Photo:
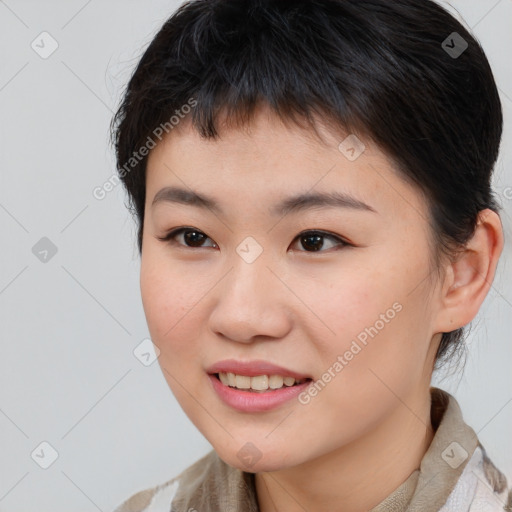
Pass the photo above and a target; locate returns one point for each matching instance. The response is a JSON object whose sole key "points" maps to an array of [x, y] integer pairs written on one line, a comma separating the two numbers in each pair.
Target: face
{"points": [[324, 309]]}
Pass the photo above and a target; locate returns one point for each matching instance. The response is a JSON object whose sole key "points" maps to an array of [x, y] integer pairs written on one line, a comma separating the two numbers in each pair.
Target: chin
{"points": [[251, 459]]}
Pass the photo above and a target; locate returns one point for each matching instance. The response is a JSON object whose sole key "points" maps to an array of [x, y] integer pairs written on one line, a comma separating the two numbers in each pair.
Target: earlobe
{"points": [[469, 278]]}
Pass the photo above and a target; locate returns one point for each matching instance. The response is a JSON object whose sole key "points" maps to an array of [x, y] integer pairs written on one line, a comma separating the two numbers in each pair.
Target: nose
{"points": [[251, 303]]}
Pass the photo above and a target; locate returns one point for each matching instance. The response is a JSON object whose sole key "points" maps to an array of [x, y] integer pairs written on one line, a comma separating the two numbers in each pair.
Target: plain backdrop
{"points": [[70, 309]]}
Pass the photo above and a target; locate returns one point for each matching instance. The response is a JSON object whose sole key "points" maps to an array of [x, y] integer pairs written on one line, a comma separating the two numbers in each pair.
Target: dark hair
{"points": [[393, 72]]}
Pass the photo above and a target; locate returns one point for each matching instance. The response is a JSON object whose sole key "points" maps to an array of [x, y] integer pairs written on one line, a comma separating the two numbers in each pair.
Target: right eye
{"points": [[191, 236]]}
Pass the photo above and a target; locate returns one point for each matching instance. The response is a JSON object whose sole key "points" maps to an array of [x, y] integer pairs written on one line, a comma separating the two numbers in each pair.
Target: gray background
{"points": [[69, 325]]}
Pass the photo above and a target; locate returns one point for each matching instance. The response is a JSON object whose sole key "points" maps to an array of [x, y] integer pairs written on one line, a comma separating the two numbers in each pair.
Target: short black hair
{"points": [[403, 73]]}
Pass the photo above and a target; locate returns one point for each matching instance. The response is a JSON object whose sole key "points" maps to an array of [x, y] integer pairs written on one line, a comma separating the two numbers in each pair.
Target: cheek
{"points": [[368, 335], [168, 299], [372, 318], [350, 305]]}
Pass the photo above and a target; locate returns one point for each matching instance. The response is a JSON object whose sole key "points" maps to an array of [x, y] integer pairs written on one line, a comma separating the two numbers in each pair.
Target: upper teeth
{"points": [[258, 383]]}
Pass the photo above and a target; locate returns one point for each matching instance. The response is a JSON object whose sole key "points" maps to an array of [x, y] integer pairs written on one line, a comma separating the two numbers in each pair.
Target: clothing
{"points": [[455, 475]]}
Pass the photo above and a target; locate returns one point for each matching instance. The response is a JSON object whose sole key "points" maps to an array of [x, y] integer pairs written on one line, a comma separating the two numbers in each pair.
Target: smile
{"points": [[249, 400], [259, 383]]}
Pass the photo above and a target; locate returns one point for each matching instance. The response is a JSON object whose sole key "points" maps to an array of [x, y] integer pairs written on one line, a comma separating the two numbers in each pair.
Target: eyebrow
{"points": [[300, 202]]}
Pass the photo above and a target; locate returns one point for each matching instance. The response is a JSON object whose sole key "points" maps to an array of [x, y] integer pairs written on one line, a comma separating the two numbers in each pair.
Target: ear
{"points": [[469, 278]]}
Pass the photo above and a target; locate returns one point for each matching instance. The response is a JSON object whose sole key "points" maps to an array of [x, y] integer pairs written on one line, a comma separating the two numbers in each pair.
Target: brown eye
{"points": [[191, 237], [313, 241]]}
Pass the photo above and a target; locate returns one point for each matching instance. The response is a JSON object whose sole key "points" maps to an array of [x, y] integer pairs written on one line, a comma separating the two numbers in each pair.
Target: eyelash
{"points": [[169, 237]]}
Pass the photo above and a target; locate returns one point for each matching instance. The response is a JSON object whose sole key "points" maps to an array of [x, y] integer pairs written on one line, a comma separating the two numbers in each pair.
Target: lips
{"points": [[254, 369], [255, 386]]}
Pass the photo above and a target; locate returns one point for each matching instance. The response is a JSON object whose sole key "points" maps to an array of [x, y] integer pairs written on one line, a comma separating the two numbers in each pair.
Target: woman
{"points": [[311, 182]]}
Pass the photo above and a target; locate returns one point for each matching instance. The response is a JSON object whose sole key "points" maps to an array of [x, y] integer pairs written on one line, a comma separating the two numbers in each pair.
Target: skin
{"points": [[367, 430]]}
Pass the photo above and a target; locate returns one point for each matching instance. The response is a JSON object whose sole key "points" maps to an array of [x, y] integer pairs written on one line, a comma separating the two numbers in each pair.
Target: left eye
{"points": [[193, 238], [314, 240]]}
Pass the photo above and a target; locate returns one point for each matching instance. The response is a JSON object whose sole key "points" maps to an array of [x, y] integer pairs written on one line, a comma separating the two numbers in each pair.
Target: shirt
{"points": [[455, 475]]}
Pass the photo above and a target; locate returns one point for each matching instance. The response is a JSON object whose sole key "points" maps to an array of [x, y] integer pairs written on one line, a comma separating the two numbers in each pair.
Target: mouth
{"points": [[258, 383], [255, 387]]}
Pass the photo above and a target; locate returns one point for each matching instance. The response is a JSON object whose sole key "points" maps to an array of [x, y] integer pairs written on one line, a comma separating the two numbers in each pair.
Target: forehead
{"points": [[264, 160], [266, 137]]}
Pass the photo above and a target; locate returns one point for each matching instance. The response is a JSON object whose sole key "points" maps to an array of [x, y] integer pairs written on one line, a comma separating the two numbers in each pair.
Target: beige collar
{"points": [[454, 442]]}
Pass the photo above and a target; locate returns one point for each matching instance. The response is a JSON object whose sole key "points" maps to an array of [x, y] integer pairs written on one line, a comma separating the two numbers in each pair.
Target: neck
{"points": [[357, 476]]}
